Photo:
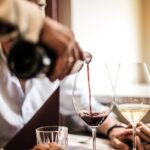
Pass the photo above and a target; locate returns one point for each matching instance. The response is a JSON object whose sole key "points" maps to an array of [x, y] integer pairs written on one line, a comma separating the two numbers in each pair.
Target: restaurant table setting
{"points": [[57, 137], [135, 102]]}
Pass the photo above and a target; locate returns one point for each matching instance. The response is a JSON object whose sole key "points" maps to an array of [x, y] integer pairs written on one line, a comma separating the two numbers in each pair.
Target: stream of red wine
{"points": [[92, 118], [89, 86]]}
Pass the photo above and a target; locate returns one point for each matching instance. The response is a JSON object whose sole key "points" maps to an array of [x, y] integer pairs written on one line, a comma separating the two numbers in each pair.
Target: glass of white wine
{"points": [[132, 93]]}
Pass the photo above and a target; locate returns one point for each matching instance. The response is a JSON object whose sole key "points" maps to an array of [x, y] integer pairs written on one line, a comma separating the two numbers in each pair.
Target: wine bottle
{"points": [[27, 60], [7, 30]]}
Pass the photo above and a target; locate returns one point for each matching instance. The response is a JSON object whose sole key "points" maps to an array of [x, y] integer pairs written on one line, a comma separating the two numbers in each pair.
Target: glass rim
{"points": [[40, 129]]}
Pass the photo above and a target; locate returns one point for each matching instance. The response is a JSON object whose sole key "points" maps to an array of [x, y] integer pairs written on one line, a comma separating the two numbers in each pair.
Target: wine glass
{"points": [[93, 96], [132, 93], [55, 137]]}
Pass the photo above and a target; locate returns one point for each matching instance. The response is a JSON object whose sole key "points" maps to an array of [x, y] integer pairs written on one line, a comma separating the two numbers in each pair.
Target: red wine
{"points": [[94, 119], [89, 87]]}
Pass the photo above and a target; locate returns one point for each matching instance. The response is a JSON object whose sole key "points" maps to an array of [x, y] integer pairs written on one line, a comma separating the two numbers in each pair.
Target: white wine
{"points": [[133, 112]]}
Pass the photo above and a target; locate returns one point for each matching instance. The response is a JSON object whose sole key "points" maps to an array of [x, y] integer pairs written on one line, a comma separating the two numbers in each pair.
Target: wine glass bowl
{"points": [[133, 109], [132, 93], [92, 88]]}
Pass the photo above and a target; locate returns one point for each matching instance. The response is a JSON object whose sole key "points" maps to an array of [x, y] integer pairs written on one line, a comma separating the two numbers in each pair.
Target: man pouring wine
{"points": [[17, 96]]}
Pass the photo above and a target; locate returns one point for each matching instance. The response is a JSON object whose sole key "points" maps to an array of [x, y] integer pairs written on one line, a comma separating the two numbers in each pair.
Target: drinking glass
{"points": [[56, 137], [132, 93], [93, 96]]}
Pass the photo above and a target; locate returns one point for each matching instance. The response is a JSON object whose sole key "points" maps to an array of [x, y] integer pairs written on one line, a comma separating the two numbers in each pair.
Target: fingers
{"points": [[118, 138], [79, 52], [129, 126], [144, 132], [55, 35], [63, 44], [64, 62], [144, 137], [123, 140], [139, 143], [129, 141], [67, 63], [59, 65], [147, 147], [148, 124], [40, 147], [126, 134], [116, 143], [75, 54], [145, 129]]}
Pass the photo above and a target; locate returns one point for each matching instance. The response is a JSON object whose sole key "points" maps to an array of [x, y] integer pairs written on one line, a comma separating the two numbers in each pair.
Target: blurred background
{"points": [[113, 31]]}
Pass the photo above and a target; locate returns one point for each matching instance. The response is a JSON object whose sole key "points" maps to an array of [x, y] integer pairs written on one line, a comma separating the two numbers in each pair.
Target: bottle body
{"points": [[7, 30], [27, 60]]}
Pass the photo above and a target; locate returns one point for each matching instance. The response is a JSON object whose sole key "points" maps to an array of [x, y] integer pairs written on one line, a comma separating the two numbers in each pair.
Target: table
{"points": [[75, 142]]}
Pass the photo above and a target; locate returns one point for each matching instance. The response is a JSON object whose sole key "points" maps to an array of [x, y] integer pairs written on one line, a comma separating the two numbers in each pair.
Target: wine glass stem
{"points": [[94, 137], [134, 136]]}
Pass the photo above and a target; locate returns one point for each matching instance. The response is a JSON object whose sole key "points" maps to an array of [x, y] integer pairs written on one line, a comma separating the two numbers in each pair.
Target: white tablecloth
{"points": [[75, 142]]}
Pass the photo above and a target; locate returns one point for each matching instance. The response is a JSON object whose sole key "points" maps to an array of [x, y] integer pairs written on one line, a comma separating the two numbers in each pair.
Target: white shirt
{"points": [[16, 106]]}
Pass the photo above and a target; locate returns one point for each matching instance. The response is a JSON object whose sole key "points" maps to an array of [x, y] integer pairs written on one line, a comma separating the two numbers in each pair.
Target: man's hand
{"points": [[144, 132], [41, 147], [50, 146], [120, 137], [67, 50]]}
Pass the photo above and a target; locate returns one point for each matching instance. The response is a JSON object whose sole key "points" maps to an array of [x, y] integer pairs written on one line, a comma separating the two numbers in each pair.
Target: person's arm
{"points": [[119, 134], [109, 124], [33, 27]]}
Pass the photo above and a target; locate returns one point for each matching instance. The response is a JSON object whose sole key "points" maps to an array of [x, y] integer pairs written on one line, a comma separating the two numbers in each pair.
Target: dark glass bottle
{"points": [[27, 60], [7, 30]]}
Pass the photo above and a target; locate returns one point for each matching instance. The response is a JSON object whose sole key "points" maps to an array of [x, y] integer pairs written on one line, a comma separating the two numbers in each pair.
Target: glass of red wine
{"points": [[93, 95]]}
